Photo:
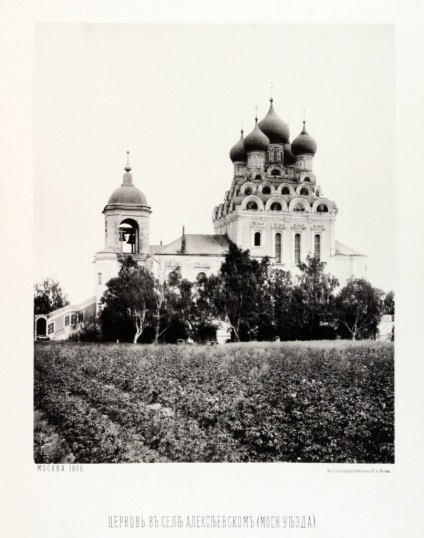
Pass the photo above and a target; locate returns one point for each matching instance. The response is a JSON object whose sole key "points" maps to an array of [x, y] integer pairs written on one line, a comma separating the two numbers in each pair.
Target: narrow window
{"points": [[285, 190], [275, 206], [297, 248], [73, 319], [99, 278], [257, 239], [317, 244], [275, 155], [248, 191], [51, 328], [304, 192], [266, 190], [80, 317], [278, 247], [66, 320]]}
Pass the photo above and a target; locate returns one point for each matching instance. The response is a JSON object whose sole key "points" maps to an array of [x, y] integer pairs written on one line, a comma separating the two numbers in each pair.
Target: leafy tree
{"points": [[238, 296], [313, 299], [359, 309], [128, 302], [165, 301], [389, 303], [48, 296], [198, 305], [283, 304]]}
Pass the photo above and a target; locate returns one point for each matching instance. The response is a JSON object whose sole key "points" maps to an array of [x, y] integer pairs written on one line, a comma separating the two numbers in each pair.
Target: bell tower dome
{"points": [[127, 218]]}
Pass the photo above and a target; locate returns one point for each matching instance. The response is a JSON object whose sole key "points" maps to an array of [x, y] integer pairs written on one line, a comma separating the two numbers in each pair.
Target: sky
{"points": [[176, 96]]}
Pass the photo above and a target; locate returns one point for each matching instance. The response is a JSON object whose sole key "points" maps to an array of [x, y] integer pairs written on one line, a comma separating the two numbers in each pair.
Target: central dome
{"points": [[256, 140], [274, 127]]}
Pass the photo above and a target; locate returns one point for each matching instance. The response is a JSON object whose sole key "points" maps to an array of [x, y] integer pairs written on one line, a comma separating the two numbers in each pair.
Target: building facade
{"points": [[274, 207]]}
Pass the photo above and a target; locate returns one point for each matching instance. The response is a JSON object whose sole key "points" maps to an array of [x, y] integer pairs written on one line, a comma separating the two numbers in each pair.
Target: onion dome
{"points": [[304, 144], [256, 140], [289, 158], [237, 152], [127, 193], [274, 127]]}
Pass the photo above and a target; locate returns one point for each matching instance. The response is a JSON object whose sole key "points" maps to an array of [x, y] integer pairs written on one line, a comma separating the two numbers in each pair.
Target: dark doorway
{"points": [[41, 327]]}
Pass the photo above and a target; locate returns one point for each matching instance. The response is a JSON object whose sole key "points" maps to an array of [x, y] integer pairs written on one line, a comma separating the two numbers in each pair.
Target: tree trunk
{"points": [[157, 328], [139, 324]]}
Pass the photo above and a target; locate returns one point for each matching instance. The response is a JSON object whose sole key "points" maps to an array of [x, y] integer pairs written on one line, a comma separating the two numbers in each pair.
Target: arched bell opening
{"points": [[41, 327], [128, 236]]}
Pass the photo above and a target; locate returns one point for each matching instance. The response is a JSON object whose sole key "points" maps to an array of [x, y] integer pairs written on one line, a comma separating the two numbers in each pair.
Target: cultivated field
{"points": [[262, 402]]}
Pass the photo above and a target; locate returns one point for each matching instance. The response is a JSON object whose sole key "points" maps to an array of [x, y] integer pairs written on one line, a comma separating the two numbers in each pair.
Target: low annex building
{"points": [[274, 207]]}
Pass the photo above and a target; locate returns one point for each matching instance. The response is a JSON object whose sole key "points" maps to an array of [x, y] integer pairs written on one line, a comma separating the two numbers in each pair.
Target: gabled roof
{"points": [[199, 245], [343, 250], [71, 308], [154, 248]]}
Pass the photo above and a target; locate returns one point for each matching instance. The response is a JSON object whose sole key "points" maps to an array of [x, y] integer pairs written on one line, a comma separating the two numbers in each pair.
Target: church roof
{"points": [[343, 250], [154, 248], [199, 245]]}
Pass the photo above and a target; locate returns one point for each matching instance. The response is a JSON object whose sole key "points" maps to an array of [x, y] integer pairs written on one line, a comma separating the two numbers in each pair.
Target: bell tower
{"points": [[127, 216]]}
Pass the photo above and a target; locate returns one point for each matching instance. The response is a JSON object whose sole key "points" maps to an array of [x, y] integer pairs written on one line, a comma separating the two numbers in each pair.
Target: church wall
{"points": [[348, 266], [107, 266], [242, 225], [190, 265]]}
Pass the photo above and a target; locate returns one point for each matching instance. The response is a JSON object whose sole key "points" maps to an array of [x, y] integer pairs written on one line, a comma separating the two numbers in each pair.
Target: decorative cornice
{"points": [[298, 227], [258, 224]]}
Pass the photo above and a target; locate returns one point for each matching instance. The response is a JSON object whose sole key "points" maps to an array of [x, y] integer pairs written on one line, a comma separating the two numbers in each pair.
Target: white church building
{"points": [[274, 207]]}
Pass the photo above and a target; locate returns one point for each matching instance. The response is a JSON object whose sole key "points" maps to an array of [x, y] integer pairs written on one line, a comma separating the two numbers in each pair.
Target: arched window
{"points": [[266, 190], [252, 205], [275, 155], [285, 190], [275, 172], [278, 247], [297, 248], [258, 177], [322, 208], [306, 179], [128, 236], [304, 191], [248, 190], [257, 242], [201, 276], [299, 207], [275, 206], [317, 247]]}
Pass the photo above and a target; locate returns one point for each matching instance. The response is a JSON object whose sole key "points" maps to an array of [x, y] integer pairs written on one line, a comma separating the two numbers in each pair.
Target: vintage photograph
{"points": [[214, 244]]}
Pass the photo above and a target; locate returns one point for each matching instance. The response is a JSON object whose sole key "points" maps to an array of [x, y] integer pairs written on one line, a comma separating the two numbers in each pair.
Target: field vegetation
{"points": [[257, 402]]}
